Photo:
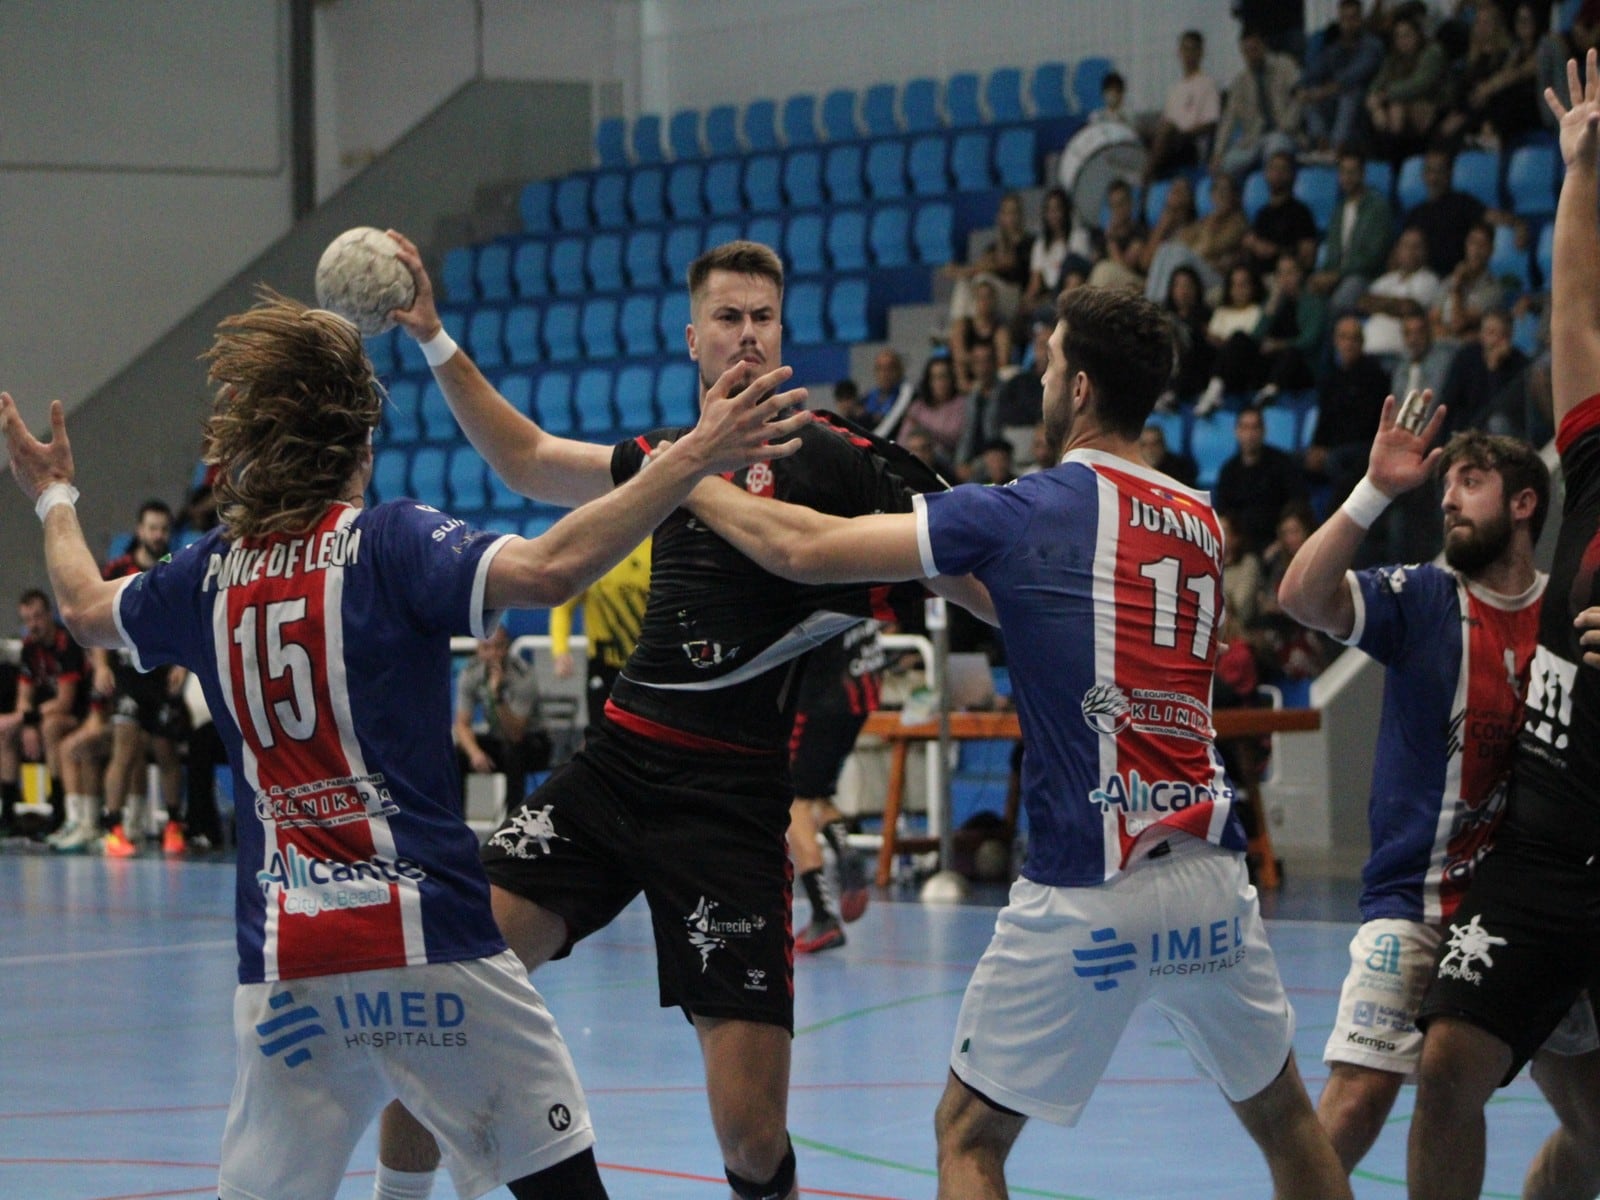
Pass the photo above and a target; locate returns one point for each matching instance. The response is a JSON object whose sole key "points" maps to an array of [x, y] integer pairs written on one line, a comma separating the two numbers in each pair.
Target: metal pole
{"points": [[947, 885]]}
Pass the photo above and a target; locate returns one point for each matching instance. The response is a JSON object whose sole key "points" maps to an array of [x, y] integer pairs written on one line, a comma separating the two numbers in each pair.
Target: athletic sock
{"points": [[837, 837], [389, 1184], [812, 882]]}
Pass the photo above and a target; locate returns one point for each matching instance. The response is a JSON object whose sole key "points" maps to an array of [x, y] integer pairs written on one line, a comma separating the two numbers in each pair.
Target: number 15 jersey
{"points": [[1107, 578]]}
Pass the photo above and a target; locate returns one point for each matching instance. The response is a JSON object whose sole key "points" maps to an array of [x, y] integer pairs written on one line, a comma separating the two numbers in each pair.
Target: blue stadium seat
{"points": [[802, 178], [530, 268], [1014, 158], [678, 394], [611, 142], [465, 480], [642, 256], [919, 105], [1002, 94], [1155, 197], [847, 310], [970, 161], [636, 323], [685, 191], [767, 228], [572, 203], [1174, 427], [400, 418], [933, 234], [683, 246], [1211, 443], [723, 197], [1087, 78], [492, 271], [567, 277], [483, 336], [1509, 262], [385, 358], [839, 115], [1379, 174], [889, 236], [1317, 187], [1544, 251], [598, 328], [761, 126], [1254, 194], [721, 232], [672, 319], [438, 424], [927, 164], [847, 239], [722, 130], [608, 200], [522, 335], [561, 342], [647, 140], [533, 527], [803, 244], [428, 467], [1202, 197], [517, 388], [886, 169], [454, 320], [635, 399], [961, 101], [591, 400], [1282, 426], [1409, 190], [1531, 180], [877, 111], [647, 196], [552, 402], [1477, 172], [1525, 333], [457, 272], [762, 190], [1047, 90], [533, 204], [841, 171], [604, 262], [503, 500], [800, 120], [389, 469], [683, 134], [411, 360], [803, 315]]}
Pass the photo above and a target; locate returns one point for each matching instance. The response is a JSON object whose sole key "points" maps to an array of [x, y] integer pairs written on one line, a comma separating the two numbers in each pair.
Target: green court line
{"points": [[876, 1008], [928, 1172]]}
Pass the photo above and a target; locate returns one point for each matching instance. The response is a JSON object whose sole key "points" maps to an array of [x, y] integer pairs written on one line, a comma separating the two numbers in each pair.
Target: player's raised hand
{"points": [[742, 420], [35, 465], [1578, 119], [1589, 622], [421, 320], [1400, 459]]}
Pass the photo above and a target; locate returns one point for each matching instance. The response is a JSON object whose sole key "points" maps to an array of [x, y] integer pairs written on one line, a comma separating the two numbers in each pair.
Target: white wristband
{"points": [[439, 348], [1365, 503], [56, 493]]}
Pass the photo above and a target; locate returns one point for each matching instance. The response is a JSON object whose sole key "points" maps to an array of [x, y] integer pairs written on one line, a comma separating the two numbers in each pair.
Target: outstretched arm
{"points": [[1313, 590], [530, 460], [1575, 282]]}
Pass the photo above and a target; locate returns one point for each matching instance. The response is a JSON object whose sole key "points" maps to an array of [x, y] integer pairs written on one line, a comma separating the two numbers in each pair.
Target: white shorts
{"points": [[1067, 966], [1391, 966], [468, 1046]]}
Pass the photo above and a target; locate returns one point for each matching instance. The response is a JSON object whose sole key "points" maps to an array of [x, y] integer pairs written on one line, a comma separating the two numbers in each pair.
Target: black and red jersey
{"points": [[53, 662]]}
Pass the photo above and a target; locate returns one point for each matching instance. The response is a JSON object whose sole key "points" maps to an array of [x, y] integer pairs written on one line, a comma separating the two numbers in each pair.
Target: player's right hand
{"points": [[1400, 459], [421, 320], [1577, 124], [1589, 622], [742, 422]]}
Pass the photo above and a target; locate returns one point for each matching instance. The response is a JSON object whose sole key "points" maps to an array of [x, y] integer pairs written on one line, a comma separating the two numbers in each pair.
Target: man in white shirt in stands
{"points": [[1190, 115], [1407, 289]]}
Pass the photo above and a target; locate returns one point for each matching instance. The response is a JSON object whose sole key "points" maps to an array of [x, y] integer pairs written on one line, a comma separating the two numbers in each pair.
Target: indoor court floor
{"points": [[116, 1054]]}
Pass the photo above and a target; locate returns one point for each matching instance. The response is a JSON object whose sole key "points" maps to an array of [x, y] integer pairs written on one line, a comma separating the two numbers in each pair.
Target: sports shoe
{"points": [[117, 845], [819, 935], [199, 843], [77, 841], [853, 894], [67, 831], [1210, 399], [172, 841]]}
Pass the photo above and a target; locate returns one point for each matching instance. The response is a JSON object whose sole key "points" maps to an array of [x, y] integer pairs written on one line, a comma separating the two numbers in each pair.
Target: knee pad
{"points": [[776, 1188]]}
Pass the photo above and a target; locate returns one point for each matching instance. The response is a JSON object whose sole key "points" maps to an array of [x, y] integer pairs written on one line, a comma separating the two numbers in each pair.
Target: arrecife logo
{"points": [[1107, 959], [288, 1029], [289, 868]]}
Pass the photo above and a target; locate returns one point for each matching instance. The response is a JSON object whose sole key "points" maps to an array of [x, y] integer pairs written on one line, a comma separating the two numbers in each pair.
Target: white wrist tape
{"points": [[439, 348], [56, 493], [1365, 504]]}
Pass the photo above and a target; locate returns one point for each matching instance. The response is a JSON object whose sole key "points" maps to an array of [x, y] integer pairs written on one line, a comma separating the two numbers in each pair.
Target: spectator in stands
{"points": [[1119, 245], [1295, 524], [1236, 317], [1284, 224], [1557, 47], [1241, 571], [1424, 362], [1004, 263], [52, 698], [1407, 289], [994, 464], [847, 401], [1019, 406], [1501, 103], [1186, 304], [1335, 80], [1403, 100], [1262, 113], [1282, 26], [1446, 216], [1470, 290], [1486, 385], [981, 423], [1208, 246], [1176, 219], [984, 327], [1057, 241], [1258, 481], [937, 410], [497, 716], [1113, 91], [1349, 404], [891, 391], [1188, 120], [1358, 240], [1157, 454], [1291, 335]]}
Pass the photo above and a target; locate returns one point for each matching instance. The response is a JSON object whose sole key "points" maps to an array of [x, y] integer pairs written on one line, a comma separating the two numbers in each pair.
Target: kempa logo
{"points": [[1105, 960], [1371, 1043], [289, 1029], [1385, 956], [1469, 944], [529, 834], [560, 1117]]}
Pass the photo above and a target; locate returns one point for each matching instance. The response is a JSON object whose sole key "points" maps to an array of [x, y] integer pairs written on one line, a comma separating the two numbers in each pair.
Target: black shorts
{"points": [[1524, 942], [143, 699], [820, 743], [702, 837]]}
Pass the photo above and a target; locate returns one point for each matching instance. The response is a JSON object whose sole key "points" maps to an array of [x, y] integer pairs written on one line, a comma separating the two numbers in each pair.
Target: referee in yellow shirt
{"points": [[613, 612]]}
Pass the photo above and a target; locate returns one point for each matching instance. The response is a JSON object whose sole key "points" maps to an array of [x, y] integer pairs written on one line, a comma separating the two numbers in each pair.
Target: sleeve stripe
{"points": [[919, 508], [122, 630], [1360, 601], [481, 620]]}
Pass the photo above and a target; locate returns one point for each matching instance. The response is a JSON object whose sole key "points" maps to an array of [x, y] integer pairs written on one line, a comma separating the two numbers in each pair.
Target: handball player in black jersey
{"points": [[685, 794]]}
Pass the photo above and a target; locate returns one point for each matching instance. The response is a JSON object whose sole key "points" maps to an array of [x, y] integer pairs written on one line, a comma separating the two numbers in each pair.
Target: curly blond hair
{"points": [[296, 403]]}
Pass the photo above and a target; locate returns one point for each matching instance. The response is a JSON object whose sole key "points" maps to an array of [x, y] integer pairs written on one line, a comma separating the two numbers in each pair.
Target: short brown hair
{"points": [[297, 401], [1516, 462], [1124, 344], [739, 257]]}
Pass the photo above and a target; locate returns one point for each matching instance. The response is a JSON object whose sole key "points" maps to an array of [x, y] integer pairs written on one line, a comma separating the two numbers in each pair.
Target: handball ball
{"points": [[361, 278]]}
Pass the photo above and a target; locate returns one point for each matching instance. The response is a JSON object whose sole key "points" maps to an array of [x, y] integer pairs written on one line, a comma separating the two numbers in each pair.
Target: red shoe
{"points": [[853, 893], [819, 935], [117, 845], [172, 841]]}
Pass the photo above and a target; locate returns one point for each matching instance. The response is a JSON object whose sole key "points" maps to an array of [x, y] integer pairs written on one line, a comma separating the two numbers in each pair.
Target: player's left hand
{"points": [[1589, 622], [742, 422], [35, 465], [1400, 460]]}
